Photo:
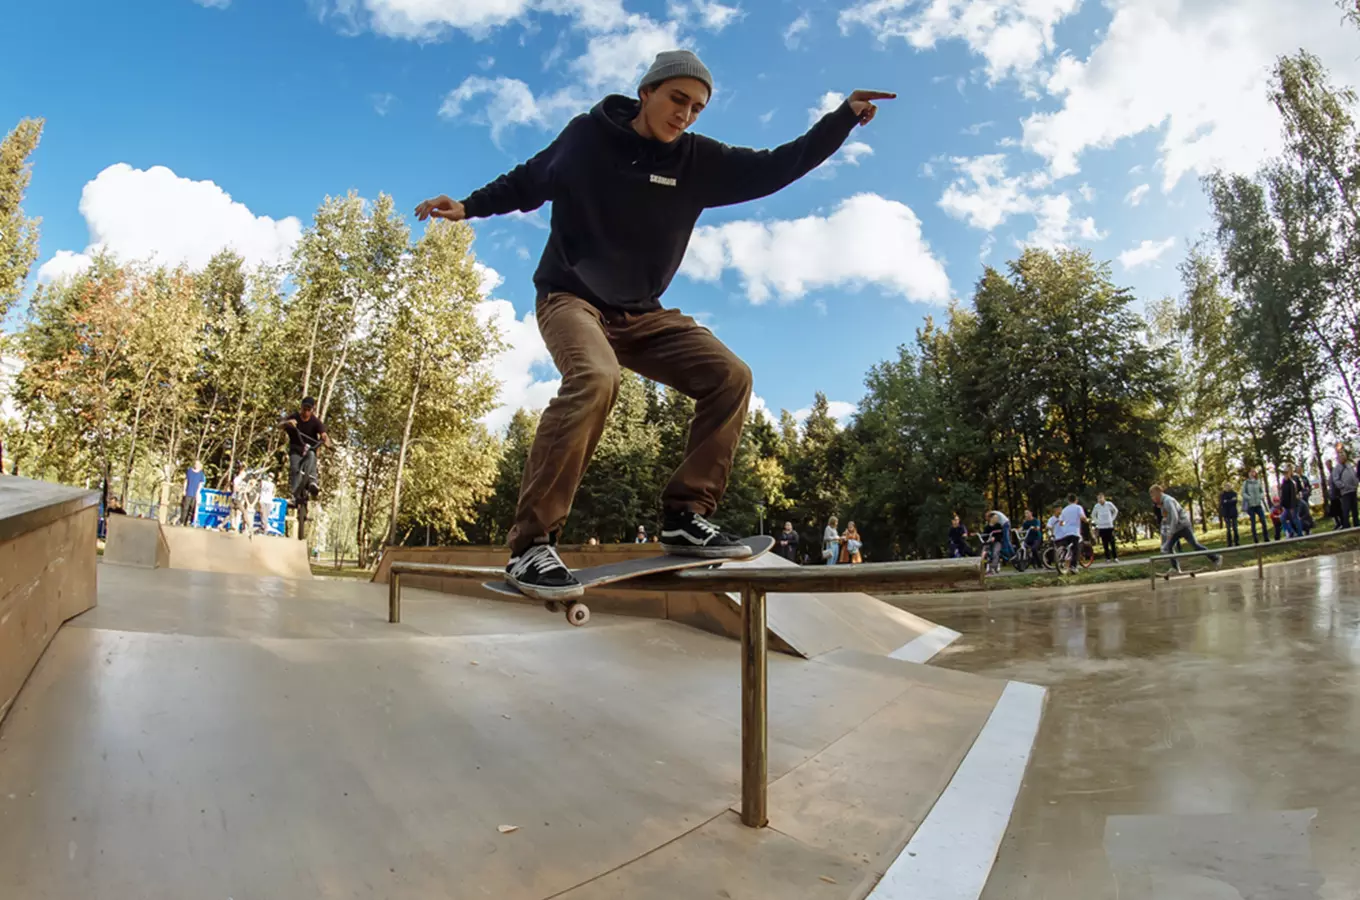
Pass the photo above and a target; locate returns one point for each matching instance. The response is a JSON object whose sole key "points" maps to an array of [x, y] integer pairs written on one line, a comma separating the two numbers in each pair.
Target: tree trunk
{"points": [[359, 536], [236, 428], [401, 456], [311, 351], [1340, 369], [136, 424], [1317, 451], [329, 380], [207, 423]]}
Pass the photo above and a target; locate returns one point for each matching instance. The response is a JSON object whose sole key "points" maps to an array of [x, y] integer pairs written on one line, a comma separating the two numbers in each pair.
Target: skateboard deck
{"points": [[612, 573]]}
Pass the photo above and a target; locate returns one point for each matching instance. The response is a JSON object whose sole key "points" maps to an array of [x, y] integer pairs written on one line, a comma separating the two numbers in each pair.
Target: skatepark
{"points": [[171, 732]]}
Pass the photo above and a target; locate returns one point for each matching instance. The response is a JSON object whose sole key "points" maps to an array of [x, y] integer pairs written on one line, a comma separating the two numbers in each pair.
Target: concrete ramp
{"points": [[147, 544], [209, 735]]}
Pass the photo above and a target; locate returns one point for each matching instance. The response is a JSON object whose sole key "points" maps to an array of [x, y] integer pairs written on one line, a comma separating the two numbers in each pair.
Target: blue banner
{"points": [[214, 511]]}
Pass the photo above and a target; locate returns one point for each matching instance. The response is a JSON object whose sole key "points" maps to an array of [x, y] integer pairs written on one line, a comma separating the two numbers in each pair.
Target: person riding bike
{"points": [[306, 432]]}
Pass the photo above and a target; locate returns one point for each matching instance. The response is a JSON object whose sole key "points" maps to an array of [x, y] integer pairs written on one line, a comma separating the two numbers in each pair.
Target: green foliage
{"points": [[18, 233]]}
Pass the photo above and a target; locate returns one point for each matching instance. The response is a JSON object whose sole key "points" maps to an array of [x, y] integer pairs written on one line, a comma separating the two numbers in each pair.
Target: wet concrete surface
{"points": [[1200, 743]]}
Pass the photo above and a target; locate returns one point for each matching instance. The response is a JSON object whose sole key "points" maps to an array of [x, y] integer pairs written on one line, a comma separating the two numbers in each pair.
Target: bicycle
{"points": [[307, 488], [1025, 555]]}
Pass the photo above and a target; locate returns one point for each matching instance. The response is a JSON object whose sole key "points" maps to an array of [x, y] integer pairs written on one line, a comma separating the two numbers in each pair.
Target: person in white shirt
{"points": [[1002, 522], [1105, 514], [1176, 525], [240, 491], [831, 541], [266, 502], [1068, 532]]}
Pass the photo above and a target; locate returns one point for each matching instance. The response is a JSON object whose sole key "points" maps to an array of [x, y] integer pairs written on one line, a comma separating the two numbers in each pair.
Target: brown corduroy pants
{"points": [[589, 347]]}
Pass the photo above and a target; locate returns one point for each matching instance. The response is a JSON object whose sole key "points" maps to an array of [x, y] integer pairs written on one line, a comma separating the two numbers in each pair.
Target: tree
{"points": [[18, 233], [435, 354]]}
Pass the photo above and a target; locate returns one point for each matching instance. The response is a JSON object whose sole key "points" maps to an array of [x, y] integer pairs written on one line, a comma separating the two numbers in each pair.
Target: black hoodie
{"points": [[624, 206]]}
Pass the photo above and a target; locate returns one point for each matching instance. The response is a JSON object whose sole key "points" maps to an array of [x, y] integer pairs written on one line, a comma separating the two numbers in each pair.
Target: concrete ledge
{"points": [[47, 571]]}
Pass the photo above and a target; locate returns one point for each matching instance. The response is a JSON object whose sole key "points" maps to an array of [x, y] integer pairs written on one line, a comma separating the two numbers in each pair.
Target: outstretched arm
{"points": [[525, 188], [737, 174]]}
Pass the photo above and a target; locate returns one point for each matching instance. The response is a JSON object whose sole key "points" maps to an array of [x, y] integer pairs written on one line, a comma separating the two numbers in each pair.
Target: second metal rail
{"points": [[753, 584], [1259, 549]]}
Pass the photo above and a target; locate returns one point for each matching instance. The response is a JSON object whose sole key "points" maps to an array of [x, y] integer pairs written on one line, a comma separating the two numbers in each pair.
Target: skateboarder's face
{"points": [[670, 108]]}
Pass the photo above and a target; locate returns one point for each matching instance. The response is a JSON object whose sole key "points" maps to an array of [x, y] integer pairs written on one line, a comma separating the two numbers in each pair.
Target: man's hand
{"points": [[441, 207], [862, 103]]}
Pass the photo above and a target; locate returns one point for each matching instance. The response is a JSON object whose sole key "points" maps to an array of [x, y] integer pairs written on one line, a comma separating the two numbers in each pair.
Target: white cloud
{"points": [[382, 103], [515, 368], [511, 103], [849, 154], [1087, 192], [616, 61], [866, 240], [830, 100], [1013, 36], [1196, 71], [214, 4], [425, 20], [156, 214], [1135, 196], [1145, 253], [765, 117], [840, 410], [758, 405], [1055, 227], [710, 14], [985, 197], [792, 34], [977, 128], [63, 264]]}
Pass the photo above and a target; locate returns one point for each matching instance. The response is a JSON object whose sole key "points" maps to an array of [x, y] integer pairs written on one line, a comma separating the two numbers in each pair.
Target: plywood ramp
{"points": [[202, 735], [147, 544]]}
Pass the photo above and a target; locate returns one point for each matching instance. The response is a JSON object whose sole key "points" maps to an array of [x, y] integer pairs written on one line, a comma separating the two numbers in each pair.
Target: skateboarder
{"points": [[627, 182]]}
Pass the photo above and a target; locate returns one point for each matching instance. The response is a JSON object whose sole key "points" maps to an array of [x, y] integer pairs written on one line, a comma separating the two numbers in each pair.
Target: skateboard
{"points": [[610, 573], [1167, 576]]}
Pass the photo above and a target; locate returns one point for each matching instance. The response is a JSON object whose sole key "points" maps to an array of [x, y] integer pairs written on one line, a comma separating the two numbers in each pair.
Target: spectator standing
{"points": [[1227, 511], [1105, 513], [1333, 493], [188, 504], [850, 545], [786, 544], [1344, 481], [641, 535], [1254, 499], [1176, 525], [1289, 503], [831, 541]]}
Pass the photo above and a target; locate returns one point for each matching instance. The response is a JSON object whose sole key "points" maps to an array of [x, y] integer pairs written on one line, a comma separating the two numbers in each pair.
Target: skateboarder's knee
{"points": [[596, 386], [737, 378]]}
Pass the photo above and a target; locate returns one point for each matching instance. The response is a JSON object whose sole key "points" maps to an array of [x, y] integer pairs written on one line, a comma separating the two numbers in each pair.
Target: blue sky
{"points": [[177, 126]]}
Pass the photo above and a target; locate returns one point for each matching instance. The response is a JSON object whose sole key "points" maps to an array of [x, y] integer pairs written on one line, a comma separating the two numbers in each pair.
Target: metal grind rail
{"points": [[753, 584], [1259, 549]]}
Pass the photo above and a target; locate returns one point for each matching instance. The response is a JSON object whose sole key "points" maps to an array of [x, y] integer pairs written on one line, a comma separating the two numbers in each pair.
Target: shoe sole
{"points": [[738, 551], [538, 592]]}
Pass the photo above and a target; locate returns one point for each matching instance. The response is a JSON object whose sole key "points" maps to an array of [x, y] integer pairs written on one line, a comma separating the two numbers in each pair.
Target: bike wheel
{"points": [[1088, 554]]}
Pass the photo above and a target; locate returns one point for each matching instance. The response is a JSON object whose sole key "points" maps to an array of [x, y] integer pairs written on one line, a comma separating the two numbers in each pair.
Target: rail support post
{"points": [[394, 597], [1260, 566], [754, 721]]}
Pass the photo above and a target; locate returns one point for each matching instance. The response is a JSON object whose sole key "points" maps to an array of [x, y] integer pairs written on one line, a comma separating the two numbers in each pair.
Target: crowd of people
{"points": [[1287, 511]]}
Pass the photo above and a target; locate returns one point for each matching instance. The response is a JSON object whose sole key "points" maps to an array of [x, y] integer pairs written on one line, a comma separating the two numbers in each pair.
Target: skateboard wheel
{"points": [[578, 614]]}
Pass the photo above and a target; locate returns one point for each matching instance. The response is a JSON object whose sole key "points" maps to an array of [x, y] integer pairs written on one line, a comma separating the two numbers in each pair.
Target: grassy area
{"points": [[1237, 560]]}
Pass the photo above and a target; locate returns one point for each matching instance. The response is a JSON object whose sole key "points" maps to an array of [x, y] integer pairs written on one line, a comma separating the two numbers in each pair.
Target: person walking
{"points": [[1176, 525], [1344, 481], [1104, 514], [627, 182], [1254, 499], [1227, 511]]}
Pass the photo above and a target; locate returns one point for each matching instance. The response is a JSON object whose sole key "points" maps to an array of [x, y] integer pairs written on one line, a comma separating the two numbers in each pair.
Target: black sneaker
{"points": [[540, 573], [685, 533]]}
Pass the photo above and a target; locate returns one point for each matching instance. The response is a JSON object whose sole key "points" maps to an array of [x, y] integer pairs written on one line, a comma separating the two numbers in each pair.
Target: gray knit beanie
{"points": [[676, 64]]}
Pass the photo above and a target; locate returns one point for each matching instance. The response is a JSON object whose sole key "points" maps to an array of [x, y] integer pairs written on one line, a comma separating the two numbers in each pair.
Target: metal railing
{"points": [[753, 584], [1258, 548]]}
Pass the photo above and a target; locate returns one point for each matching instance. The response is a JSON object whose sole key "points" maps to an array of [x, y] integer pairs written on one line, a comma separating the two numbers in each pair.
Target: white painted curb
{"points": [[951, 855]]}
